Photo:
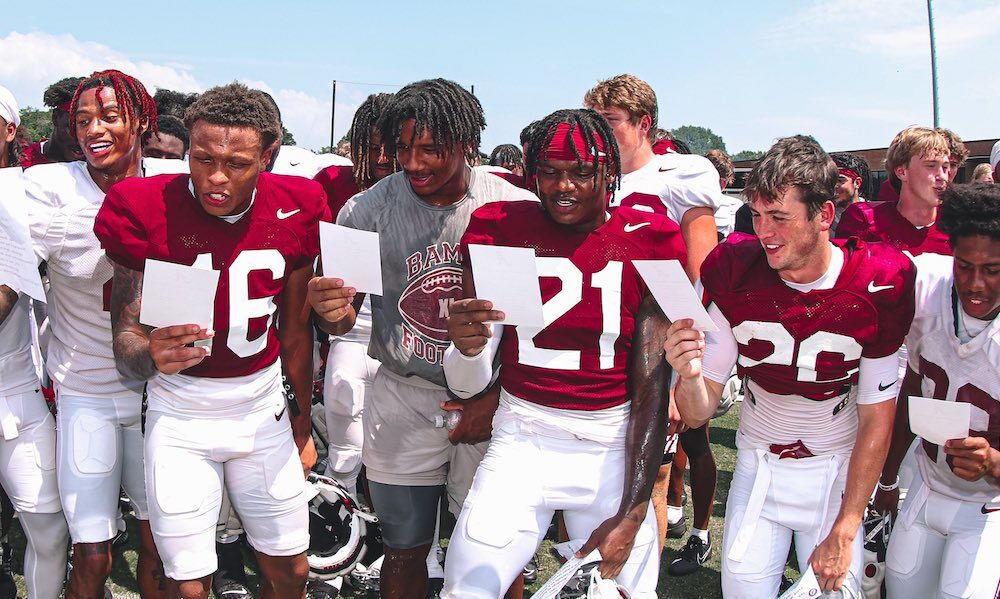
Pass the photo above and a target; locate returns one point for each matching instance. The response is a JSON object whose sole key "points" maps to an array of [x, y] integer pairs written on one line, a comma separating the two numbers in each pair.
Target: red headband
{"points": [[568, 138], [849, 173]]}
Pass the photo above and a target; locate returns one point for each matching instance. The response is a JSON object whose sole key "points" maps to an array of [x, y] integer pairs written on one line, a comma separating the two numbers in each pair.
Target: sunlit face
{"points": [[793, 242], [977, 275], [109, 142], [631, 135], [953, 166], [225, 162], [573, 193], [924, 178], [430, 168], [163, 145], [380, 164], [847, 190]]}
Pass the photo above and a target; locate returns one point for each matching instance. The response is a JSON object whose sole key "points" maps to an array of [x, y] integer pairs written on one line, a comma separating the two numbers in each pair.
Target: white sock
{"points": [[674, 514], [701, 534]]}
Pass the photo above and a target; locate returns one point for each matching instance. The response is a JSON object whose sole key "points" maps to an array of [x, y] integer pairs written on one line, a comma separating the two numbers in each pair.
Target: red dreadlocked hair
{"points": [[137, 104]]}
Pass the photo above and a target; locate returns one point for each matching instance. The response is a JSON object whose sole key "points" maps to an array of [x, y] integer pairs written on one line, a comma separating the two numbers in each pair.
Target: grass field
{"points": [[704, 584]]}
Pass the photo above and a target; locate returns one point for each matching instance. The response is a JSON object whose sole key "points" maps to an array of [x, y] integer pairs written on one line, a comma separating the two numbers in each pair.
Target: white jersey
{"points": [[17, 365], [293, 160], [681, 181], [953, 371], [63, 201]]}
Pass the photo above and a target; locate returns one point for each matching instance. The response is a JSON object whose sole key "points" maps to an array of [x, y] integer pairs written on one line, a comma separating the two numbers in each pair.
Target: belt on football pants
{"points": [[761, 484], [8, 423]]}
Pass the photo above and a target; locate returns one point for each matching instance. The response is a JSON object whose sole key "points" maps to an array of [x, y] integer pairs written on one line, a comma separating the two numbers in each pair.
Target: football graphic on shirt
{"points": [[425, 302]]}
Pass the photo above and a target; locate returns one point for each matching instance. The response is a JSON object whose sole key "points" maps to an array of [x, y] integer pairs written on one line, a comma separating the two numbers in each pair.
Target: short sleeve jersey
{"points": [[591, 294], [339, 184], [810, 344], [421, 267], [32, 155], [159, 218], [953, 371], [671, 184], [883, 222], [63, 201], [17, 365]]}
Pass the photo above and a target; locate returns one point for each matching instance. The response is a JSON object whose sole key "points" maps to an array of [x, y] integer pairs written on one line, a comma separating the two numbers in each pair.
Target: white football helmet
{"points": [[588, 583], [877, 527], [337, 529]]}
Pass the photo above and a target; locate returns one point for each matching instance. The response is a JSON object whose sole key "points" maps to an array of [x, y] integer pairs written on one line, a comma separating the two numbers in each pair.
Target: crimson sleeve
{"points": [[854, 222], [121, 231], [895, 310]]}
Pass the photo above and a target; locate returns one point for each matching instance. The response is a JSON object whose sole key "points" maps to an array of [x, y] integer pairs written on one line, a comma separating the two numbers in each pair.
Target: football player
{"points": [[684, 187], [946, 540], [957, 152], [433, 127], [99, 408], [918, 159], [28, 443], [583, 398], [813, 328], [63, 145], [217, 415]]}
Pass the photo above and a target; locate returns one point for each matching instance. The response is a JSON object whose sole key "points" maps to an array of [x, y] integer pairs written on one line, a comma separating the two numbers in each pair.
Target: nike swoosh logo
{"points": [[629, 227], [990, 510], [669, 168], [282, 215], [873, 288], [883, 388], [294, 163], [280, 414]]}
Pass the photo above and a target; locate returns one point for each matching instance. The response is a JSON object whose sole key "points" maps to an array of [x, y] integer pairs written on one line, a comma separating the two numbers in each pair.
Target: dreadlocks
{"points": [[365, 121], [135, 102], [61, 92], [506, 155], [451, 114], [169, 102], [591, 124]]}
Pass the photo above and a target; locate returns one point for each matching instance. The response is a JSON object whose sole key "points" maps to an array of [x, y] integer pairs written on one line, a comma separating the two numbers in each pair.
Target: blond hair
{"points": [[628, 92], [914, 141]]}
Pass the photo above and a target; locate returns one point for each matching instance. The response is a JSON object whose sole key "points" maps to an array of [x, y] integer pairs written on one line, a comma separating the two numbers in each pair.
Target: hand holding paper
{"points": [[671, 288], [353, 256], [508, 277], [937, 420]]}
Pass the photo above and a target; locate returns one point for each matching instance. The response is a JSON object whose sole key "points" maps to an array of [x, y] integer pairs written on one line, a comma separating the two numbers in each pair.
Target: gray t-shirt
{"points": [[421, 267]]}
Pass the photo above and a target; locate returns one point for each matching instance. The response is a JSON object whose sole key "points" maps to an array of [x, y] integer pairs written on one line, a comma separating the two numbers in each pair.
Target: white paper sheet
{"points": [[18, 264], [174, 294], [551, 588], [508, 277], [353, 256], [937, 421], [671, 288], [806, 587]]}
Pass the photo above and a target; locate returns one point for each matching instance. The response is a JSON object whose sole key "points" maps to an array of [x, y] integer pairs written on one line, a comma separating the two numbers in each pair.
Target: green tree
{"points": [[747, 155], [287, 139], [699, 139], [35, 123]]}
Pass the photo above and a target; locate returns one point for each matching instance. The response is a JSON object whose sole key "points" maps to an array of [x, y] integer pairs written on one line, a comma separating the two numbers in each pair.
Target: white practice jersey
{"points": [[680, 181], [17, 364], [63, 201], [953, 371]]}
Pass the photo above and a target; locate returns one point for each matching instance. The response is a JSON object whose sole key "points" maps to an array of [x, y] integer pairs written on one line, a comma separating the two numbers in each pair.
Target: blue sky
{"points": [[850, 72]]}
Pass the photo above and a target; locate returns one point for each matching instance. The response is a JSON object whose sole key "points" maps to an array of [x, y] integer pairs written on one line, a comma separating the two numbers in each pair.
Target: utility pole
{"points": [[934, 82], [333, 114]]}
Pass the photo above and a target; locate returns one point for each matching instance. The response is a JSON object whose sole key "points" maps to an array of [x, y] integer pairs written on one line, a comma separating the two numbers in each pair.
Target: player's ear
{"points": [[269, 154], [900, 172], [826, 214]]}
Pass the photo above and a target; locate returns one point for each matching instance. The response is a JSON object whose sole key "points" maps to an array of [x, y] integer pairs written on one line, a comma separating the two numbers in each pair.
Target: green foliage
{"points": [[36, 123], [747, 155], [699, 139], [287, 139]]}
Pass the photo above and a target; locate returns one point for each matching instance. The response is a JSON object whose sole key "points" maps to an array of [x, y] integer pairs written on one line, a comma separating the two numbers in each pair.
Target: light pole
{"points": [[934, 84]]}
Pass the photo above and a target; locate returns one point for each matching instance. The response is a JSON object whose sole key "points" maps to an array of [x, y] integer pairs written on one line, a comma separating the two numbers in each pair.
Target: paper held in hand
{"points": [[936, 420], [18, 264], [508, 277], [353, 256], [175, 294], [671, 288]]}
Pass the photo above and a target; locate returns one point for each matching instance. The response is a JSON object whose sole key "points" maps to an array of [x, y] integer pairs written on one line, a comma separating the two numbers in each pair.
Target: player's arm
{"points": [[649, 382], [703, 363], [295, 335], [887, 501], [8, 297], [972, 458], [700, 236], [140, 351], [832, 557]]}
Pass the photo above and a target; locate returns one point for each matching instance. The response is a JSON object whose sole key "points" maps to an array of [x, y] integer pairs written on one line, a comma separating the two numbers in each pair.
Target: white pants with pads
{"points": [[944, 548], [772, 503], [528, 473], [28, 453], [350, 374], [189, 461], [100, 451]]}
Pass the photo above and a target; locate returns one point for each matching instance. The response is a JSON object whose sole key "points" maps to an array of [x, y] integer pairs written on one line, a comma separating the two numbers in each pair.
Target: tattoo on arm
{"points": [[8, 297], [649, 375], [130, 339]]}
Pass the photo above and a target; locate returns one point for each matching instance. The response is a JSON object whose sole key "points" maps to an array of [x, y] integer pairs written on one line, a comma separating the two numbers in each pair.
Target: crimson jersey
{"points": [[158, 218], [883, 222], [31, 155], [810, 344], [591, 294], [339, 184]]}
